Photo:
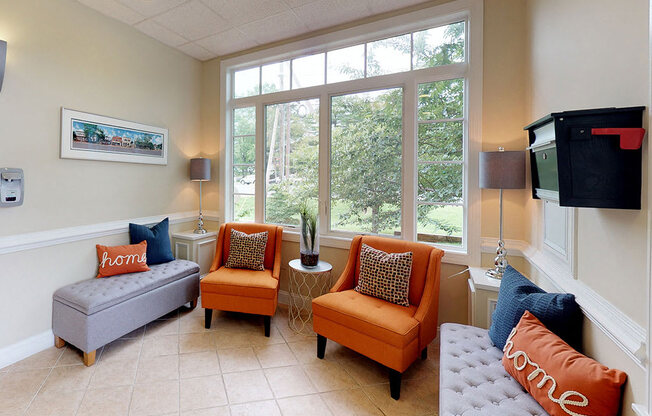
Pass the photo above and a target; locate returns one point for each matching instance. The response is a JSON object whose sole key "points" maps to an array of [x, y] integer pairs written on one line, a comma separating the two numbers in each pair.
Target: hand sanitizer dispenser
{"points": [[12, 187]]}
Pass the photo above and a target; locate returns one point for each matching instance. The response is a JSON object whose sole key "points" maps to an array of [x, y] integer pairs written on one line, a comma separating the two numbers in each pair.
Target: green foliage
{"points": [[308, 216]]}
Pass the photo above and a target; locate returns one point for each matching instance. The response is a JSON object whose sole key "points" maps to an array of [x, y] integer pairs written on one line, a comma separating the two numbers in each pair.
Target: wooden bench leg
{"points": [[58, 342], [89, 358], [424, 354], [193, 304], [321, 346]]}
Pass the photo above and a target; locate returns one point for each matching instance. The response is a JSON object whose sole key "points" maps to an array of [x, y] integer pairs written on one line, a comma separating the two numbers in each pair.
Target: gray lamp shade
{"points": [[502, 170], [200, 169]]}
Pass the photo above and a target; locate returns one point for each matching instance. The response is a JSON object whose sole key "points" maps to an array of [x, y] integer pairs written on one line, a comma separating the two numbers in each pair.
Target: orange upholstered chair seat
{"points": [[371, 316], [243, 290], [239, 282], [390, 334]]}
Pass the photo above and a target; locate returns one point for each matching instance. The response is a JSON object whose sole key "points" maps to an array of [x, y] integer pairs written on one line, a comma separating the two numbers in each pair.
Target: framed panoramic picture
{"points": [[93, 137]]}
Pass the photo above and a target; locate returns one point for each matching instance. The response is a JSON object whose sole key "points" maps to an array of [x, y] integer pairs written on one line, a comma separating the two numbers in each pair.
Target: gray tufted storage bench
{"points": [[472, 379], [91, 313]]}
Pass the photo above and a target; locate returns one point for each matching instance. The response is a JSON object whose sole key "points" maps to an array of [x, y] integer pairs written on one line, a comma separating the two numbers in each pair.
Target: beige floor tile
{"points": [[422, 369], [275, 355], [160, 345], [417, 398], [305, 351], [289, 381], [106, 401], [338, 352], [155, 398], [15, 402], [247, 386], [350, 403], [264, 408], [71, 356], [257, 337], [198, 364], [192, 323], [23, 382], [311, 405], [55, 403], [365, 371], [288, 333], [122, 349], [154, 369], [328, 376], [214, 411], [202, 392], [44, 359], [195, 343], [231, 338], [162, 327], [238, 359], [114, 373], [69, 378]]}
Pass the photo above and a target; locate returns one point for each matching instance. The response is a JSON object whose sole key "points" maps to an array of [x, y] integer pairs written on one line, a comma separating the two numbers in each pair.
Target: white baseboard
{"points": [[19, 351]]}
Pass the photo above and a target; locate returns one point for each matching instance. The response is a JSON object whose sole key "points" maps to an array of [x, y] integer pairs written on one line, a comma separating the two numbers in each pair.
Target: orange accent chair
{"points": [[390, 334], [242, 290]]}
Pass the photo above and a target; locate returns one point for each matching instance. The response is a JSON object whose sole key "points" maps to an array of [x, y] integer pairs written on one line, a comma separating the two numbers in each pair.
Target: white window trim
{"points": [[472, 11]]}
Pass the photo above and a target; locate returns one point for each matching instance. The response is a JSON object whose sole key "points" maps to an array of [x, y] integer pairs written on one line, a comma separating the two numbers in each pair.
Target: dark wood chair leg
{"points": [[395, 384], [193, 304], [321, 346], [424, 353], [268, 325], [208, 317]]}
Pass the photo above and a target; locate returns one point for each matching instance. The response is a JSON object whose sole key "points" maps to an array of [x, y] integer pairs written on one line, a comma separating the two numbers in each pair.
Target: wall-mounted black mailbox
{"points": [[588, 158]]}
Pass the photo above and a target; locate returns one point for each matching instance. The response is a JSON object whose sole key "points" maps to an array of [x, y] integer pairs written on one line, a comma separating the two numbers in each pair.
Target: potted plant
{"points": [[309, 241]]}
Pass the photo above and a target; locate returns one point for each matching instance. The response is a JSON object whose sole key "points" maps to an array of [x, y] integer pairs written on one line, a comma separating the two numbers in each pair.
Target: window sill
{"points": [[451, 256]]}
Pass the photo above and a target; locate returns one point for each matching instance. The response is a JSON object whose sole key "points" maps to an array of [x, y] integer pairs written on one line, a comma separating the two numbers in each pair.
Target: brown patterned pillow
{"points": [[385, 275], [247, 251]]}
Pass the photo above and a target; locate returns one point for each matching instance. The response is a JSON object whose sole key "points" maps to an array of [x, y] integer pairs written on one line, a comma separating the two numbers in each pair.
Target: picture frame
{"points": [[94, 137]]}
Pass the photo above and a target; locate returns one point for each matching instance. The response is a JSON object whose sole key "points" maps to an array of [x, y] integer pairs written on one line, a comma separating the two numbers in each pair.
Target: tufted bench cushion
{"points": [[94, 295], [91, 313], [472, 379]]}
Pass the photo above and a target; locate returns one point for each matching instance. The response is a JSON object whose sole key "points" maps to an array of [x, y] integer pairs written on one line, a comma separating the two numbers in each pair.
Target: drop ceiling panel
{"points": [[158, 32], [192, 20], [229, 41], [149, 8], [205, 29]]}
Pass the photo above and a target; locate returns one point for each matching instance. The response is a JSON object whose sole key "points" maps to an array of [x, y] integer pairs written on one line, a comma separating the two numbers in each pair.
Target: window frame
{"points": [[471, 71]]}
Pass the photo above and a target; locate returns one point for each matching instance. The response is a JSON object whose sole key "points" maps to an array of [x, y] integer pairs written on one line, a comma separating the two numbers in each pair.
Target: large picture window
{"points": [[366, 156], [375, 134]]}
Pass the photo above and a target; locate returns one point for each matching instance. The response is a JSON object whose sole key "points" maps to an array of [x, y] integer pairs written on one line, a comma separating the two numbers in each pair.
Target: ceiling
{"points": [[205, 29]]}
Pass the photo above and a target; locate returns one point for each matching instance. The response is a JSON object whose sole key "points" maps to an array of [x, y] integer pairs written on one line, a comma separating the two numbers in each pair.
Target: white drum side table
{"points": [[305, 285]]}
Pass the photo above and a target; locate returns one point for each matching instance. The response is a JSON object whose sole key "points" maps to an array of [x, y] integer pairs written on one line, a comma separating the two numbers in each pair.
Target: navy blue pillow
{"points": [[557, 311], [158, 241]]}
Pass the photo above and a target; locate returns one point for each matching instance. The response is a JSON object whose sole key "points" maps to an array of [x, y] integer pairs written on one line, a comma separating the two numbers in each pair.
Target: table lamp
{"points": [[501, 170], [200, 170]]}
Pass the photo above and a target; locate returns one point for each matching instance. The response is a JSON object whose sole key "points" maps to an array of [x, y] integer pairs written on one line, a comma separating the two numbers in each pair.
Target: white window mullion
{"points": [[324, 163], [259, 199], [409, 217]]}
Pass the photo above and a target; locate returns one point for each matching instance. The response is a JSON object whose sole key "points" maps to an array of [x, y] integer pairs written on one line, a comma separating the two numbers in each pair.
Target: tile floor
{"points": [[174, 366]]}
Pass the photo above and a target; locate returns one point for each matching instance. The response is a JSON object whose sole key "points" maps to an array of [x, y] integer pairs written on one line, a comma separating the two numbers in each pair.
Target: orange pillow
{"points": [[562, 380], [122, 259]]}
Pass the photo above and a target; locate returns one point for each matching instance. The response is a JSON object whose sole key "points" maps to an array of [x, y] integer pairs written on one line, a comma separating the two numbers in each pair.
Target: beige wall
{"points": [[588, 54], [65, 54]]}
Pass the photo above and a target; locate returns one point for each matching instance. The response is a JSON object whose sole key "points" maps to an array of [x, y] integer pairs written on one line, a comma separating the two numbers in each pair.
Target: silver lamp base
{"points": [[500, 262], [200, 225]]}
